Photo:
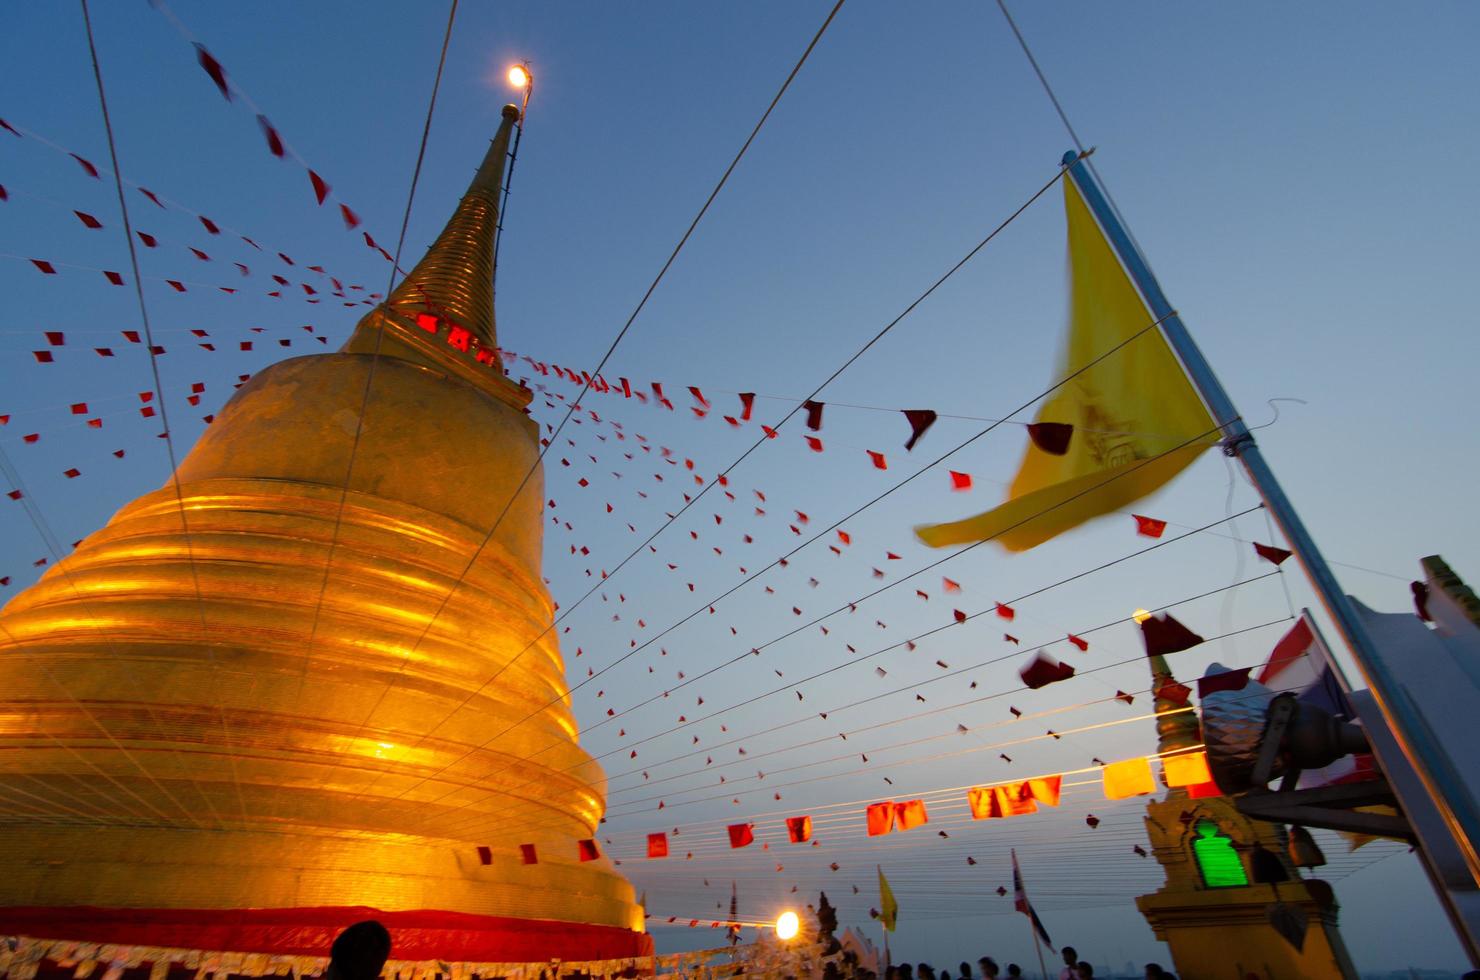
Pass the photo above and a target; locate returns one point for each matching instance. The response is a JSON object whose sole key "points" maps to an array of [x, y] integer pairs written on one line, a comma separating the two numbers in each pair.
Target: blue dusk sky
{"points": [[1295, 173]]}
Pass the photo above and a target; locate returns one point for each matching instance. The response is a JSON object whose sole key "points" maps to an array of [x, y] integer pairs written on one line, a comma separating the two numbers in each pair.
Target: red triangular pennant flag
{"points": [[1270, 553], [1051, 437], [320, 188], [1228, 680], [1163, 635], [741, 834], [920, 420], [214, 69], [1149, 527], [1043, 670], [274, 141]]}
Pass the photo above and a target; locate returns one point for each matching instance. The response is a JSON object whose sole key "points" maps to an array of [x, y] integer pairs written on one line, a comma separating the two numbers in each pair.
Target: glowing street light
{"points": [[519, 77], [787, 925]]}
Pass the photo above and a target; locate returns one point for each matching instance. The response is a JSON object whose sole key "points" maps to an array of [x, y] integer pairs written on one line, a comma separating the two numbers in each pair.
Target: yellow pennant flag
{"points": [[1116, 431], [888, 907]]}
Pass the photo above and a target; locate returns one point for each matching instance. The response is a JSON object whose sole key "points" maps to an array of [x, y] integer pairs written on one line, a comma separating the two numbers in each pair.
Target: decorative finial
{"points": [[454, 280], [1176, 727]]}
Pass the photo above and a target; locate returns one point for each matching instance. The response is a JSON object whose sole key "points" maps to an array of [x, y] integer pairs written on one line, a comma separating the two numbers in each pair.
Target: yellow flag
{"points": [[888, 907], [1136, 419]]}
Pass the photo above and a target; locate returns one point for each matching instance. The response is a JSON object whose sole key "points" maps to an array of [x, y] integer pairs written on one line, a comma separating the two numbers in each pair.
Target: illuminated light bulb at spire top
{"points": [[519, 76], [787, 925]]}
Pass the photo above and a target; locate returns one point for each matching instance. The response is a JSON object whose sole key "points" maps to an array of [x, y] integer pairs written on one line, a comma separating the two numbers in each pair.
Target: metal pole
{"points": [[503, 207], [1038, 948], [1444, 786]]}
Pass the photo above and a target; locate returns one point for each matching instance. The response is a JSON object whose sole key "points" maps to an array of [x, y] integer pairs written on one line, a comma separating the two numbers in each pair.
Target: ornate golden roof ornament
{"points": [[441, 315]]}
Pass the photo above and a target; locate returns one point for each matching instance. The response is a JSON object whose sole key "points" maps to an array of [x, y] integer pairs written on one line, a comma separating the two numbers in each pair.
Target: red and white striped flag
{"points": [[1021, 903]]}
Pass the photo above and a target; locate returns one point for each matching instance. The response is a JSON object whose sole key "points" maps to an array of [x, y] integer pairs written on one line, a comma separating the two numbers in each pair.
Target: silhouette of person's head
{"points": [[359, 952], [1071, 957]]}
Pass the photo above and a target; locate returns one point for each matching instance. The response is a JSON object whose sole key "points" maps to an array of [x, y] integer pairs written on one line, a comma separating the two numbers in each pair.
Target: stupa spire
{"points": [[454, 280], [1175, 729]]}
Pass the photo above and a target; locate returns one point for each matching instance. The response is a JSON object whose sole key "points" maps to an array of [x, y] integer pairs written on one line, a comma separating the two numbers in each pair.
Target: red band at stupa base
{"points": [[421, 934]]}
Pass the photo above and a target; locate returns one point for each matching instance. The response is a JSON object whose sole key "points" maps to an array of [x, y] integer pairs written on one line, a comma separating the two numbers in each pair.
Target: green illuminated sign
{"points": [[1216, 858]]}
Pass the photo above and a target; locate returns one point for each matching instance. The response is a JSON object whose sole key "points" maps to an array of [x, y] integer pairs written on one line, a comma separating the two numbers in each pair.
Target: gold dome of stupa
{"points": [[265, 687]]}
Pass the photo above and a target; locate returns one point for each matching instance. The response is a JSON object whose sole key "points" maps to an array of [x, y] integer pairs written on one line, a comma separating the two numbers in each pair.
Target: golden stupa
{"points": [[206, 745]]}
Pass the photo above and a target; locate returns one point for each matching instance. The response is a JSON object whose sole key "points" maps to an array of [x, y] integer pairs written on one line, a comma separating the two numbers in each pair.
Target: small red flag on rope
{"points": [[814, 414], [1051, 437], [1149, 527], [1270, 553], [1163, 635], [1170, 690], [741, 834], [880, 463], [528, 855], [274, 140], [960, 481], [88, 220], [1228, 680], [747, 405], [86, 165], [920, 420], [799, 829], [1043, 670], [657, 845], [46, 267], [213, 68], [320, 188]]}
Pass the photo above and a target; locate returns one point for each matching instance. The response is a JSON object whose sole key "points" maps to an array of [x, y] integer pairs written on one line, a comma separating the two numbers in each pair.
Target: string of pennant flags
{"points": [[1184, 768], [1122, 779], [153, 240], [164, 203]]}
